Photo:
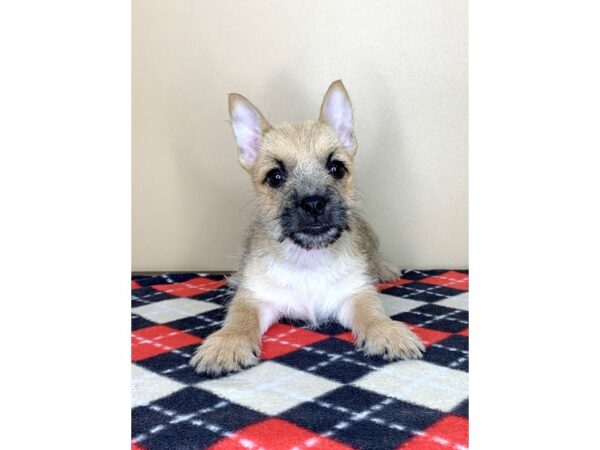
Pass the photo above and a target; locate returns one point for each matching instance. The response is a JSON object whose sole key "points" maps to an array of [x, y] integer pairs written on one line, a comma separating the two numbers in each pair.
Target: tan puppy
{"points": [[309, 255]]}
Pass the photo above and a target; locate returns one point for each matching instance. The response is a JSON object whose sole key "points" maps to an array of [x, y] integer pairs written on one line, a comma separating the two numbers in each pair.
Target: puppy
{"points": [[309, 255]]}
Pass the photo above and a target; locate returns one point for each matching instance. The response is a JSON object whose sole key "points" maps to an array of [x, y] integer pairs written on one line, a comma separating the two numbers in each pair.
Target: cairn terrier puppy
{"points": [[308, 255]]}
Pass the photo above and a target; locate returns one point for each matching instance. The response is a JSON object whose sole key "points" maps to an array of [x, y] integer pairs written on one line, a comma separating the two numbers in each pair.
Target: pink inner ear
{"points": [[246, 127], [249, 153], [339, 116], [345, 135]]}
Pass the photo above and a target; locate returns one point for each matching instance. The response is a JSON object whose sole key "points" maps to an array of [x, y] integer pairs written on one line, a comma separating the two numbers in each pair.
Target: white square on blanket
{"points": [[269, 388], [460, 301], [173, 309], [147, 386], [393, 305], [419, 382]]}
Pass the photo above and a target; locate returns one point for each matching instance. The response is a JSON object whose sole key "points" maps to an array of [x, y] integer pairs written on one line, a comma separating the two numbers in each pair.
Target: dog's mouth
{"points": [[315, 236], [316, 229]]}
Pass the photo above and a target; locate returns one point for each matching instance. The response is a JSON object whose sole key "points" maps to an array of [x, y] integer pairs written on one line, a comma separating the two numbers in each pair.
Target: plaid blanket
{"points": [[312, 390]]}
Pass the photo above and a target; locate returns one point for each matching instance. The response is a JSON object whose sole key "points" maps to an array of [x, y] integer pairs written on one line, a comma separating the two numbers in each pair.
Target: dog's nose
{"points": [[314, 205]]}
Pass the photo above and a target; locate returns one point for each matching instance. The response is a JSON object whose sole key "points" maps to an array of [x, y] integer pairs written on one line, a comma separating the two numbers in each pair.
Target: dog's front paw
{"points": [[387, 271], [392, 340], [224, 352]]}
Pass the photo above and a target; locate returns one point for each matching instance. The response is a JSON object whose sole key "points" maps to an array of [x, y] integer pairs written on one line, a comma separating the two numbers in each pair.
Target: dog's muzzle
{"points": [[314, 221]]}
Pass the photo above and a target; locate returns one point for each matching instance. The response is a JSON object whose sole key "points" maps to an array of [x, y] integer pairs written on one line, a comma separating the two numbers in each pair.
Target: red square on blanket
{"points": [[277, 434], [448, 432], [152, 341], [281, 339], [389, 284], [191, 287], [346, 336], [451, 279]]}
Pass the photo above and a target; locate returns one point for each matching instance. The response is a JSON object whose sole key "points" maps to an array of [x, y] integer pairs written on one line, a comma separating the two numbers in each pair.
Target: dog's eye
{"points": [[275, 178], [337, 169]]}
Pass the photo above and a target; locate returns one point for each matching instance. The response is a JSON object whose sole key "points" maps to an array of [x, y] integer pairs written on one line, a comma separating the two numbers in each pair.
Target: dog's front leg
{"points": [[375, 332], [236, 345]]}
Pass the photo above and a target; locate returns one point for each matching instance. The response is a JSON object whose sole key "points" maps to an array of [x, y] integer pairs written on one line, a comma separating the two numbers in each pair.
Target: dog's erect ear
{"points": [[336, 111], [249, 126]]}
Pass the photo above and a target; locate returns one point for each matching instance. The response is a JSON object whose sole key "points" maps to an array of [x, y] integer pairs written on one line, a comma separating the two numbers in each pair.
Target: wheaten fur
{"points": [[332, 280], [237, 344]]}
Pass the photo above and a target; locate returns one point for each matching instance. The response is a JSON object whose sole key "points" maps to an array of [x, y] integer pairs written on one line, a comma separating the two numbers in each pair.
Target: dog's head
{"points": [[302, 172]]}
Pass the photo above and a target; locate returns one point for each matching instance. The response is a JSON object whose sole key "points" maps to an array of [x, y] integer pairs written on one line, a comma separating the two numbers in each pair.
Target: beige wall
{"points": [[404, 64]]}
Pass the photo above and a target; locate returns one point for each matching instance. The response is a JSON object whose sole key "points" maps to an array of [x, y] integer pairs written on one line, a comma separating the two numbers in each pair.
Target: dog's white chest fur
{"points": [[311, 285]]}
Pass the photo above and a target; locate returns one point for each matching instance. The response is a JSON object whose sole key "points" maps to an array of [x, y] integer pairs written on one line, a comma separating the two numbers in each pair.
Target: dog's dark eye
{"points": [[275, 178], [337, 169]]}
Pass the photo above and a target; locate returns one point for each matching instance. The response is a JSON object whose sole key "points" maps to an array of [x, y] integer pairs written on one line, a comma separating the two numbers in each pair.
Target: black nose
{"points": [[314, 205]]}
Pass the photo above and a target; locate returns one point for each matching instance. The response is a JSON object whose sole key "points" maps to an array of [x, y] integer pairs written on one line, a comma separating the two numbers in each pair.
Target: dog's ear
{"points": [[336, 111], [249, 126]]}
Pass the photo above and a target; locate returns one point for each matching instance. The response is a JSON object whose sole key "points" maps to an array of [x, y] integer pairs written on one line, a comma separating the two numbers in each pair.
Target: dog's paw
{"points": [[224, 352], [387, 271], [392, 340]]}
